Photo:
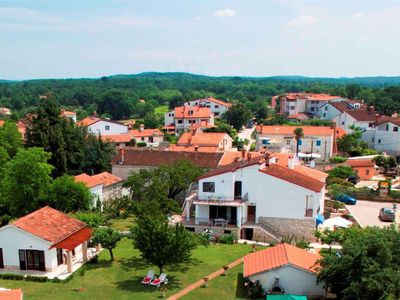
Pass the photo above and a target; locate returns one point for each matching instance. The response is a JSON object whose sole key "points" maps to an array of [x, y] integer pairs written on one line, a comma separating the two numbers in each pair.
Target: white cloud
{"points": [[227, 12], [305, 20]]}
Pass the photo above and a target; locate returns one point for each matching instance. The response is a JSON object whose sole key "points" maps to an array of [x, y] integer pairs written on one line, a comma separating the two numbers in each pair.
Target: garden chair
{"points": [[160, 280], [149, 277]]}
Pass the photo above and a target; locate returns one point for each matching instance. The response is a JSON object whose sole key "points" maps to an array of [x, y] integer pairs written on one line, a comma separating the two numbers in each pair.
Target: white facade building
{"points": [[101, 126], [184, 117], [217, 107], [385, 136]]}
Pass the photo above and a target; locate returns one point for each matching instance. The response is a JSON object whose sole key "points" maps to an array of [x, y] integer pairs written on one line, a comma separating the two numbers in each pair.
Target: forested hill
{"points": [[118, 96]]}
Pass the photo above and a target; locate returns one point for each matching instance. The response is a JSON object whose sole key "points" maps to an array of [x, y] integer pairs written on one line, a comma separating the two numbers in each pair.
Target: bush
{"points": [[337, 159], [36, 278], [141, 144], [94, 260], [253, 147], [227, 239], [255, 290], [8, 276], [56, 280], [302, 244]]}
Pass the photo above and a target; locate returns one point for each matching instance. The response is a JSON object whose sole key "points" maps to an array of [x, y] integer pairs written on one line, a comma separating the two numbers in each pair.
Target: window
{"points": [[395, 129], [209, 187], [318, 143], [216, 106], [324, 115], [1, 259], [107, 127], [387, 127], [288, 142], [216, 114], [179, 121], [312, 109], [342, 123], [208, 106], [326, 107], [291, 107], [142, 138], [367, 172], [265, 142], [379, 141], [373, 140]]}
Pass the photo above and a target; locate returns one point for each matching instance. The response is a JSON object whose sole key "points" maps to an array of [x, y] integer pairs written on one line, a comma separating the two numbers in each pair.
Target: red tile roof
{"points": [[105, 178], [118, 138], [280, 256], [192, 148], [310, 96], [383, 120], [220, 102], [295, 177], [88, 121], [321, 176], [234, 156], [203, 139], [67, 113], [147, 157], [298, 116], [8, 294], [340, 132], [360, 163], [288, 130], [363, 114], [192, 112], [49, 224], [146, 132]]}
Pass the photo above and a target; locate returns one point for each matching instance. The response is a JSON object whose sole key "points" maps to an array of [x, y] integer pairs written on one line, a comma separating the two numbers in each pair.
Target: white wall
{"points": [[384, 138], [293, 280], [169, 118], [114, 128], [97, 192], [328, 112], [215, 108], [13, 239]]}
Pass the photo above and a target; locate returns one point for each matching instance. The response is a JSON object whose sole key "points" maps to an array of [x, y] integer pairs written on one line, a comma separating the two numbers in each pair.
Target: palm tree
{"points": [[298, 134]]}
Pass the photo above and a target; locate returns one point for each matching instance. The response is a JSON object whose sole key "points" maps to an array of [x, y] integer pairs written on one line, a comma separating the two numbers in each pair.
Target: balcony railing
{"points": [[221, 198], [217, 222]]}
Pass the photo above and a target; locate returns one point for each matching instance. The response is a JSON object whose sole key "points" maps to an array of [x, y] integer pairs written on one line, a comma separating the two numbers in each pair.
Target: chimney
{"points": [[243, 154], [248, 156], [333, 126], [261, 128], [122, 154], [291, 162], [196, 149], [190, 140], [141, 127], [267, 157]]}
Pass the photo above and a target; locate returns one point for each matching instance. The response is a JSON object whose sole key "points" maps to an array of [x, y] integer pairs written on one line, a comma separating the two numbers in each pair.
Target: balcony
{"points": [[208, 222]]}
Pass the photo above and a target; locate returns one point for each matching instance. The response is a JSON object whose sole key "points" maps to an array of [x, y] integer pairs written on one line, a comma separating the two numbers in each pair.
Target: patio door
{"points": [[251, 214], [35, 260], [1, 259], [59, 256], [238, 190]]}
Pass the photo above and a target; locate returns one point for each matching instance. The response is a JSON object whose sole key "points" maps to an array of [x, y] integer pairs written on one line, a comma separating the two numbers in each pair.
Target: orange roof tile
{"points": [[292, 176], [192, 148], [192, 112], [288, 130], [202, 124], [202, 139], [67, 113], [146, 132], [49, 224], [220, 102], [118, 138], [233, 156], [8, 294], [279, 256], [321, 176], [282, 158], [298, 116], [340, 132], [360, 163], [104, 178], [88, 121], [310, 96]]}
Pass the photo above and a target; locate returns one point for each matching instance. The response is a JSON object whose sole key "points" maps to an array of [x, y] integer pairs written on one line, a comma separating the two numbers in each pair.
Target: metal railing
{"points": [[216, 222]]}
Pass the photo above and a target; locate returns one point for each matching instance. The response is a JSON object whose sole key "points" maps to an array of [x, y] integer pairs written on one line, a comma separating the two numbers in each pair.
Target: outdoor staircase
{"points": [[269, 232]]}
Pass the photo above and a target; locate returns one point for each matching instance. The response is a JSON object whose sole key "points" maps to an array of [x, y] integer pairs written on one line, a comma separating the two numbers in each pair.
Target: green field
{"points": [[121, 279]]}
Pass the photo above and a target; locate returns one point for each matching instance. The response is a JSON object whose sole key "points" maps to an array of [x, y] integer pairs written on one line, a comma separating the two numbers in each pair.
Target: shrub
{"points": [[56, 280], [141, 144], [253, 147], [255, 290], [8, 276], [36, 278], [227, 239], [337, 159], [302, 244], [94, 260]]}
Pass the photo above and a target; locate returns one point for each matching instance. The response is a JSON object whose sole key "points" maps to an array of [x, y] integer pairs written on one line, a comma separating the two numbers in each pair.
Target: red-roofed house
{"points": [[203, 142], [364, 167], [103, 186], [184, 117], [217, 107], [45, 240], [258, 198], [149, 136], [285, 267], [68, 114], [97, 125], [320, 141]]}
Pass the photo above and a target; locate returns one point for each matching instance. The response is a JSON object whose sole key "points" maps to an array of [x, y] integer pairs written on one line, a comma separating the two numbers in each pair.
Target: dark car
{"points": [[353, 179], [346, 199], [387, 214]]}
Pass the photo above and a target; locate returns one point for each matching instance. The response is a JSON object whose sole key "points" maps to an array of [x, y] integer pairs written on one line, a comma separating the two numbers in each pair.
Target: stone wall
{"points": [[288, 228]]}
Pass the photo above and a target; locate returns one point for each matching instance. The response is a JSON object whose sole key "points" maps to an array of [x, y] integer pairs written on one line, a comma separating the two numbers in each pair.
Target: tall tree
{"points": [[10, 138], [114, 103], [386, 162], [161, 244], [25, 181], [237, 116], [298, 135], [108, 238], [98, 154]]}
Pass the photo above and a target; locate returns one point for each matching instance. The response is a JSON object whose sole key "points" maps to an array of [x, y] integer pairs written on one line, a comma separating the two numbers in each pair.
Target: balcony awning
{"points": [[74, 240]]}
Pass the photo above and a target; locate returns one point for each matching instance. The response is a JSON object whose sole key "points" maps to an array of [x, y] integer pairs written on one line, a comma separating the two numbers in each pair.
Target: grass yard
{"points": [[222, 287], [122, 224], [121, 279]]}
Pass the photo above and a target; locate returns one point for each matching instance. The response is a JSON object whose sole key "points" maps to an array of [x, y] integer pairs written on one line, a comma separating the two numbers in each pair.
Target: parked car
{"points": [[387, 214], [346, 199], [353, 179]]}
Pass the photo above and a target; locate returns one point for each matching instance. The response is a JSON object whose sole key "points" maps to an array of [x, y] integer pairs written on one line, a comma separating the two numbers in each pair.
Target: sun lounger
{"points": [[149, 277], [160, 280]]}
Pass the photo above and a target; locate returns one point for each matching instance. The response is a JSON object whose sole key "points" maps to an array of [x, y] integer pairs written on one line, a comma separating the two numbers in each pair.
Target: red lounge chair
{"points": [[149, 277], [160, 280]]}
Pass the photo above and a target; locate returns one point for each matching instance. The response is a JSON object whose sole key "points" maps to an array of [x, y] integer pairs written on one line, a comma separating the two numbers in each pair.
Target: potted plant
{"points": [[163, 290], [226, 267], [205, 281]]}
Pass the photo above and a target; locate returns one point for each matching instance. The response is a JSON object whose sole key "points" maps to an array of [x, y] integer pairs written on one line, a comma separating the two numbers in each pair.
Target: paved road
{"points": [[366, 213], [246, 134]]}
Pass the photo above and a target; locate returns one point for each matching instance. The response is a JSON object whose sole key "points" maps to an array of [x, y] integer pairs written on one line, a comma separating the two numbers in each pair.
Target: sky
{"points": [[74, 39]]}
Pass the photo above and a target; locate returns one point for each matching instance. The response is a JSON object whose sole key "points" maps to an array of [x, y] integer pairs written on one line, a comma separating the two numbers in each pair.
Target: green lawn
{"points": [[121, 279], [222, 287], [122, 224]]}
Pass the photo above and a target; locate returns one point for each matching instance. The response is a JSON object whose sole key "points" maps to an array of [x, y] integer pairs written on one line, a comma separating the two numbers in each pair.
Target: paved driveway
{"points": [[366, 213], [246, 134]]}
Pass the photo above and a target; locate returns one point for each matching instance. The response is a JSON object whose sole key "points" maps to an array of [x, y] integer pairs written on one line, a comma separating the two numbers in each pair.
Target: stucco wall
{"points": [[100, 127], [293, 280], [122, 171]]}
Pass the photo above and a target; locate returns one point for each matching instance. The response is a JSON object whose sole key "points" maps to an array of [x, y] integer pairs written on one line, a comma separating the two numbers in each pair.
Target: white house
{"points": [[384, 136], [97, 125], [266, 195], [68, 114], [285, 269], [217, 107], [149, 136], [319, 142], [349, 113], [103, 186], [203, 141], [184, 117], [42, 241]]}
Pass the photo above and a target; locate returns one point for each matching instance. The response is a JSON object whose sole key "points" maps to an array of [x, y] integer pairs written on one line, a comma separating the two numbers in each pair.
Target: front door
{"points": [[251, 214], [1, 259], [238, 189], [59, 256], [35, 260]]}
